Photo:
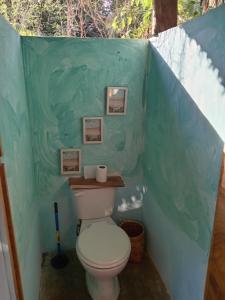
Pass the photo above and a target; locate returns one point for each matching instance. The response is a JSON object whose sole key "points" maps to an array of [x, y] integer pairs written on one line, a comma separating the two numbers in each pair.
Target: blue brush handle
{"points": [[56, 216], [57, 227]]}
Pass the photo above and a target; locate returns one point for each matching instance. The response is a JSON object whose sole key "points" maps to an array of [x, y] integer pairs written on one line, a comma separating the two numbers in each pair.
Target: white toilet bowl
{"points": [[103, 249]]}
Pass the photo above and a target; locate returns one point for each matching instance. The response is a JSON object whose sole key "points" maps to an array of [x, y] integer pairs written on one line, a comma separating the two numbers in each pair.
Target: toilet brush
{"points": [[60, 260]]}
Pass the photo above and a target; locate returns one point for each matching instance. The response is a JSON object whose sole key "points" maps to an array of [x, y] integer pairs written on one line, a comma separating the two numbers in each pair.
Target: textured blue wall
{"points": [[66, 80], [16, 142], [184, 137]]}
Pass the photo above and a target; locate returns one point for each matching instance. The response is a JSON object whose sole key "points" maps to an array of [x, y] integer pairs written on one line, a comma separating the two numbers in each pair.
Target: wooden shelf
{"points": [[81, 183]]}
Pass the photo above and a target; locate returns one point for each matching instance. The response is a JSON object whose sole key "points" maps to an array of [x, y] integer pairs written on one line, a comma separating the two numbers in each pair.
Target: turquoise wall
{"points": [[16, 142], [66, 80], [184, 138], [171, 139]]}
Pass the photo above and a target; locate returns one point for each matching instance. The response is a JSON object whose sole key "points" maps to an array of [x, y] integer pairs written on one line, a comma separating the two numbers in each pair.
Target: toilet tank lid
{"points": [[103, 244]]}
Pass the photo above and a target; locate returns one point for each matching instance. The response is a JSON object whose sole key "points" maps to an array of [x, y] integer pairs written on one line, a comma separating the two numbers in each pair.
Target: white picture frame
{"points": [[92, 130], [116, 103], [70, 161]]}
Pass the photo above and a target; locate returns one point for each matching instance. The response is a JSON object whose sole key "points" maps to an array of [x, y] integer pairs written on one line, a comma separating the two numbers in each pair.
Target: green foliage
{"points": [[50, 17], [133, 19], [36, 17], [88, 18], [187, 9], [4, 10]]}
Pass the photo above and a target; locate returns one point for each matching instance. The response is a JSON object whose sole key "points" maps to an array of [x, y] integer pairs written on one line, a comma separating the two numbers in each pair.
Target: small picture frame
{"points": [[116, 100], [70, 161], [92, 130]]}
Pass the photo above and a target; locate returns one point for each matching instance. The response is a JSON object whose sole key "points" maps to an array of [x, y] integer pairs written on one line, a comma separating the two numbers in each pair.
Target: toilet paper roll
{"points": [[101, 173]]}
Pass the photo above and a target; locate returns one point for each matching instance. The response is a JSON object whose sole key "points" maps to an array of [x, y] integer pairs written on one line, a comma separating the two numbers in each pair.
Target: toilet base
{"points": [[102, 288]]}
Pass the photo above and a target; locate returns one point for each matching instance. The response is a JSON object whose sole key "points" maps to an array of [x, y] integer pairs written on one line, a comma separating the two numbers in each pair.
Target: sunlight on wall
{"points": [[184, 139], [196, 72], [134, 202]]}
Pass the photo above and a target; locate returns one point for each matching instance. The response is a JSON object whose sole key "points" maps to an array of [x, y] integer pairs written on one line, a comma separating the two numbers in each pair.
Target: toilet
{"points": [[102, 247]]}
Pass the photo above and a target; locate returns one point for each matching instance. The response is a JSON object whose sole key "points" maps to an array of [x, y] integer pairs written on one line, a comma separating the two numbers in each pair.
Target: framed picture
{"points": [[70, 161], [92, 130], [116, 100]]}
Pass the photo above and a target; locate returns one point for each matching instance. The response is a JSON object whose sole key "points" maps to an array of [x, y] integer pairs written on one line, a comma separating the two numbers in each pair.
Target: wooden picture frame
{"points": [[70, 161], [116, 100], [92, 130]]}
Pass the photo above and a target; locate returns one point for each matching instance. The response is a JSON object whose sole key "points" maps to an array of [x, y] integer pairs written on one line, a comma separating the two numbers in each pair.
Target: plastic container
{"points": [[135, 231]]}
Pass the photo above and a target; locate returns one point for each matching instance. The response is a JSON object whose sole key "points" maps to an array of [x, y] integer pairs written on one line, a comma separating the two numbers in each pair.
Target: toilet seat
{"points": [[103, 245]]}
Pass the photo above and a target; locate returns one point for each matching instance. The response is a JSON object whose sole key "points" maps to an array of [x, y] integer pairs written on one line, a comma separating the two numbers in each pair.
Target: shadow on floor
{"points": [[137, 281]]}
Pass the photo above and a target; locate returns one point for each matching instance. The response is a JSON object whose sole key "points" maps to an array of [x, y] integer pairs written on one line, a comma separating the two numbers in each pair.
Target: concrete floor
{"points": [[137, 281]]}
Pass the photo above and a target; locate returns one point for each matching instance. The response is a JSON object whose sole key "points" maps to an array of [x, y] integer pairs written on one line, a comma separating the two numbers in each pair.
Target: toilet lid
{"points": [[103, 245]]}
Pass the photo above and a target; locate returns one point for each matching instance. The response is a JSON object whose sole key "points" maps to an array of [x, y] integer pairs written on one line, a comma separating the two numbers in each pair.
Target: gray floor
{"points": [[137, 281]]}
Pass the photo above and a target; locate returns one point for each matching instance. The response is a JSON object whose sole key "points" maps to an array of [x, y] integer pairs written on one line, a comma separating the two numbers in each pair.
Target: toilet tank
{"points": [[94, 203]]}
